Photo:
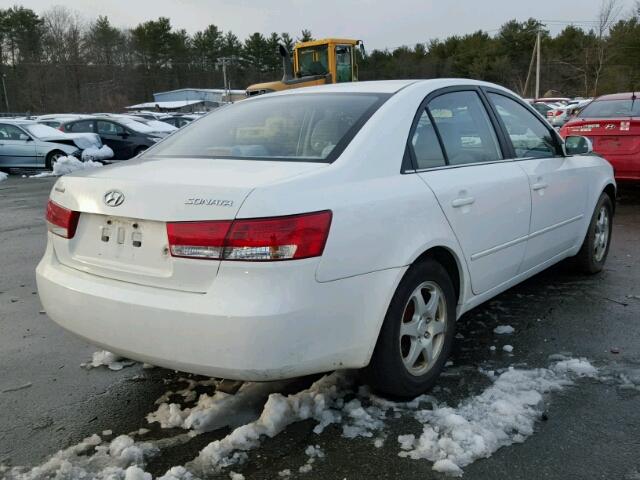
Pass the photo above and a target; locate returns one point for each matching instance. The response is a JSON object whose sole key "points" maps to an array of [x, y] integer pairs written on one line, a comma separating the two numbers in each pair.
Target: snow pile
{"points": [[212, 411], [119, 459], [94, 154], [504, 329], [108, 359], [505, 413], [508, 348], [316, 402], [577, 366], [3, 176], [65, 165]]}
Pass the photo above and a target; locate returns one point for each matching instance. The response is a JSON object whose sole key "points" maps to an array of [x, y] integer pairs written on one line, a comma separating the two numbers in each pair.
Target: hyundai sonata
{"points": [[343, 226]]}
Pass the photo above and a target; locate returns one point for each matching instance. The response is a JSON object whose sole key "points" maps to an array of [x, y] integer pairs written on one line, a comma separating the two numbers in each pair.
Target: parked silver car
{"points": [[25, 143]]}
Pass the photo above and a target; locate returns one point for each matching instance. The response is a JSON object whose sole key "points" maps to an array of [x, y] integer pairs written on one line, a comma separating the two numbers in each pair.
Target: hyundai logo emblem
{"points": [[113, 198]]}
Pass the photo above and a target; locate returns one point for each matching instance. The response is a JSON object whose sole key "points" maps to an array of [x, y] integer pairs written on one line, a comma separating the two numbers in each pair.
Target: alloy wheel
{"points": [[601, 239], [423, 328]]}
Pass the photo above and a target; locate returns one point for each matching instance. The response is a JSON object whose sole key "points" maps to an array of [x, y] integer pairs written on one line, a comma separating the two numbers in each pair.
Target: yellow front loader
{"points": [[330, 60]]}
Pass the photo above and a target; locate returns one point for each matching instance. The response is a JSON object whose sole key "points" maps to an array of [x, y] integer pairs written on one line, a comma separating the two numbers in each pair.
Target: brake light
{"points": [[260, 239], [61, 221], [558, 113]]}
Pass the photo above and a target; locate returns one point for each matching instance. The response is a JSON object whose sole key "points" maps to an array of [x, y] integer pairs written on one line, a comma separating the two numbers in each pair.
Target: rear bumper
{"points": [[257, 322], [626, 168]]}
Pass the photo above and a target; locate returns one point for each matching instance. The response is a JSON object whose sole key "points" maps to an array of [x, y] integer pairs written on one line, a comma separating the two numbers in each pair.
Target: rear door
{"points": [[558, 186], [484, 197], [17, 149]]}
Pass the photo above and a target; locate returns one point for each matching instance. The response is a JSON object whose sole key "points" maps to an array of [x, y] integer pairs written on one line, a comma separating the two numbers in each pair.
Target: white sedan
{"points": [[343, 226]]}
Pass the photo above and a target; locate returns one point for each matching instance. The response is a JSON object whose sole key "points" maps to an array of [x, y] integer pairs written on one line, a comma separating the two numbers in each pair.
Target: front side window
{"points": [[426, 147], [109, 128], [296, 127], [529, 136], [313, 60], [465, 128], [11, 132], [83, 126]]}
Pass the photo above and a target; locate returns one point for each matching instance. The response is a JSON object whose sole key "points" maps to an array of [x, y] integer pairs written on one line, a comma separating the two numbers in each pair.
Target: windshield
{"points": [[298, 127], [313, 60], [42, 131], [611, 108]]}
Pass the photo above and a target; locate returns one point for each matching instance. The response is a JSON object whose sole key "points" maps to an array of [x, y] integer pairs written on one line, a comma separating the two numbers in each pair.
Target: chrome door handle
{"points": [[461, 202], [539, 186]]}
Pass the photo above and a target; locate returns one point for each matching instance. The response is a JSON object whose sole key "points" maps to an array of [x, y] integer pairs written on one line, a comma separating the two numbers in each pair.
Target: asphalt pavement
{"points": [[589, 431]]}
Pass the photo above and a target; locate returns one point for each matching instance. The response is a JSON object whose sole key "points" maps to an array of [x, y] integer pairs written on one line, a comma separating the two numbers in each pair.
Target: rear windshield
{"points": [[300, 127], [611, 108]]}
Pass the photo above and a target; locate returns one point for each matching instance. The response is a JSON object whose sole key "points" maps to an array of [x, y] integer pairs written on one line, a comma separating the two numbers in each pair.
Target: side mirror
{"points": [[576, 145], [25, 137], [123, 134]]}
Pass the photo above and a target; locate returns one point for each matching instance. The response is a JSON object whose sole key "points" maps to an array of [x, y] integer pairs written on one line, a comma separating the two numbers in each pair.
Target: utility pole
{"points": [[4, 88], [538, 41], [223, 61]]}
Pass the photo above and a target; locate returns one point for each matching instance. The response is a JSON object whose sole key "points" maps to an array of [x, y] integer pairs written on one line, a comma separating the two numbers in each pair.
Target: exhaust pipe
{"points": [[287, 66]]}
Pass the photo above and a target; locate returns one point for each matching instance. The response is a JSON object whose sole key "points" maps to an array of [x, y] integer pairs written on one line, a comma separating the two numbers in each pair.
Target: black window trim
{"points": [[409, 162], [560, 153]]}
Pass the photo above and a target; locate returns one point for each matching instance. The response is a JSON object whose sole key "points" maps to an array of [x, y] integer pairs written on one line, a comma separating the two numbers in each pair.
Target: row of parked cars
{"points": [[610, 123], [38, 142]]}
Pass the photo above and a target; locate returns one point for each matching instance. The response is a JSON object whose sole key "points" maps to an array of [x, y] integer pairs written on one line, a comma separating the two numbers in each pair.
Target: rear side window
{"points": [[529, 136], [297, 127], [83, 126], [465, 128], [425, 144]]}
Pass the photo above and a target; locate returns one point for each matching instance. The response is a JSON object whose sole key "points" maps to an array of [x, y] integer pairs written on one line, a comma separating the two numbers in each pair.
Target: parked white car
{"points": [[342, 226]]}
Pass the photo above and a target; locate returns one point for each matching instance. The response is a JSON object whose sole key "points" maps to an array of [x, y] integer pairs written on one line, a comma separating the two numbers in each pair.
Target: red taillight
{"points": [[558, 113], [61, 221], [261, 239], [197, 239]]}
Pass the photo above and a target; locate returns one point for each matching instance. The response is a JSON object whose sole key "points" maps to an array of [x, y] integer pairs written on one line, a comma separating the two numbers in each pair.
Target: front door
{"points": [[116, 138], [485, 198], [558, 189], [17, 149]]}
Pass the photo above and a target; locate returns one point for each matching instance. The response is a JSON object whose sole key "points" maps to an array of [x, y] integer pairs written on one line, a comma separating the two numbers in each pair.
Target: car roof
{"points": [[384, 86], [617, 96], [17, 121]]}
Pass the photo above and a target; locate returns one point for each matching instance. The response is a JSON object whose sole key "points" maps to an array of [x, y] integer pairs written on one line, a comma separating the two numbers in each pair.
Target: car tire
{"points": [[410, 326], [52, 157], [595, 247]]}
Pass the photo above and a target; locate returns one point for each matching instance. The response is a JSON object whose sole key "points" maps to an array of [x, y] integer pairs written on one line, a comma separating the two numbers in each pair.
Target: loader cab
{"points": [[317, 62], [331, 57]]}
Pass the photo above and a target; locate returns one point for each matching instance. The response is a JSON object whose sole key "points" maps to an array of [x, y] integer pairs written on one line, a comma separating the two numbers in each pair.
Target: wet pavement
{"points": [[590, 430]]}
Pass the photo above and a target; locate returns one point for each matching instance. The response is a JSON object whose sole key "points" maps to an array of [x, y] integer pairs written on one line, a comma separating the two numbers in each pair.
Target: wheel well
{"points": [[611, 191], [445, 258]]}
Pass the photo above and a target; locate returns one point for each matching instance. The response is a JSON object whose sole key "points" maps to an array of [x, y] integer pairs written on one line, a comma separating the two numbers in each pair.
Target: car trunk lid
{"points": [[121, 232], [609, 136]]}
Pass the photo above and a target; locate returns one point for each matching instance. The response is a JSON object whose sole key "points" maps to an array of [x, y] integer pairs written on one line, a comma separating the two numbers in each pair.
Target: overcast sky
{"points": [[381, 24]]}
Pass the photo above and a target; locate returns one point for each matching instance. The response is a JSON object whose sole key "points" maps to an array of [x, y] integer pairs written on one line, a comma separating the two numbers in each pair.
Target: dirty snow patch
{"points": [[107, 359], [66, 165], [504, 329], [3, 176], [504, 414], [578, 366], [507, 348]]}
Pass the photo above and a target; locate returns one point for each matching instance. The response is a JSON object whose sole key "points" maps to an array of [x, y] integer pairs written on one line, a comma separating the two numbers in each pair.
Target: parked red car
{"points": [[612, 123]]}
